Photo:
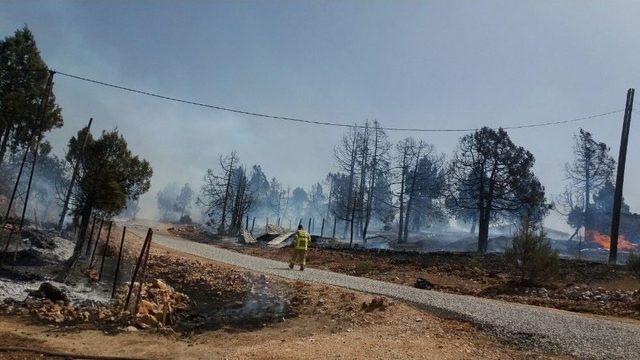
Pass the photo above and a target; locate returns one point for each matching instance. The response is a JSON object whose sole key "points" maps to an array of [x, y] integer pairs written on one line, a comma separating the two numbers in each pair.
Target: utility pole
{"points": [[45, 103], [26, 197], [76, 167], [617, 196], [15, 186]]}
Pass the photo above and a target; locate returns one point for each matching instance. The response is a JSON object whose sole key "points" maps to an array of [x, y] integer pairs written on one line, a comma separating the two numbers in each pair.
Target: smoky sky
{"points": [[430, 64]]}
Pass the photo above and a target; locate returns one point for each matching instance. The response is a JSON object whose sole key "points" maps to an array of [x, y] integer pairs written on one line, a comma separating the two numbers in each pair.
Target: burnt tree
{"points": [[378, 157], [226, 196], [591, 168], [492, 175]]}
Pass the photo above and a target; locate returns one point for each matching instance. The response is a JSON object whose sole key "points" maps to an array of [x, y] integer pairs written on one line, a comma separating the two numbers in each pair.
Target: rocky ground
{"points": [[582, 335], [195, 308], [582, 286]]}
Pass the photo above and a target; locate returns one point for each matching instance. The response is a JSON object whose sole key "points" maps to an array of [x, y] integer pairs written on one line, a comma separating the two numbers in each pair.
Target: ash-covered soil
{"points": [[582, 286], [233, 313]]}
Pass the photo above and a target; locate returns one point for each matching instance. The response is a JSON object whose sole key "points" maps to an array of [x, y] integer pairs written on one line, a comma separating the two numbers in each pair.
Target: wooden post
{"points": [[266, 225], [309, 226], [76, 167], [253, 223], [104, 252], [93, 253], [300, 222], [145, 244], [142, 272], [246, 225], [115, 277], [617, 196], [15, 186], [322, 228], [335, 221]]}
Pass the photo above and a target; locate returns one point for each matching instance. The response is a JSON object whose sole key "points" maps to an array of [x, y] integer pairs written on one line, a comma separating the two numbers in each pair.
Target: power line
{"points": [[323, 123]]}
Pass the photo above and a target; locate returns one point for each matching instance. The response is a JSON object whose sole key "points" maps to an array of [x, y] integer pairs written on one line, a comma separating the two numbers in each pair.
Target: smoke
{"points": [[47, 186], [340, 76]]}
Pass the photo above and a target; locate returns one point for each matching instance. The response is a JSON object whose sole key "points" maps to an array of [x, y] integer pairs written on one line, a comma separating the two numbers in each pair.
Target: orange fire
{"points": [[605, 241]]}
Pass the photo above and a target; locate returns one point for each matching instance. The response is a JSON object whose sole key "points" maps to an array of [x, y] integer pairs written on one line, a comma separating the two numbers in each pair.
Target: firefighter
{"points": [[301, 241]]}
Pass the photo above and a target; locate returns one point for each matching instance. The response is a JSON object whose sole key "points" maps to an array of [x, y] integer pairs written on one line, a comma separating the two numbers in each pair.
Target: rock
{"points": [[147, 307], [377, 303], [48, 291], [422, 283], [159, 284], [146, 321], [131, 328]]}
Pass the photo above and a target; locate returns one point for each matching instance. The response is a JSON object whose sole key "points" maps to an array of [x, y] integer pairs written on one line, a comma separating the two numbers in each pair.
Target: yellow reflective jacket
{"points": [[301, 240]]}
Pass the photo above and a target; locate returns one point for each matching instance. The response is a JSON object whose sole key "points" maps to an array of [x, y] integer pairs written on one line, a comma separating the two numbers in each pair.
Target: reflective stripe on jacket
{"points": [[301, 240]]}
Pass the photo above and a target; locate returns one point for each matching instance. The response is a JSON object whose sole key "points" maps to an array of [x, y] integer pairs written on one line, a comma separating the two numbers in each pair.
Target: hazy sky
{"points": [[406, 63]]}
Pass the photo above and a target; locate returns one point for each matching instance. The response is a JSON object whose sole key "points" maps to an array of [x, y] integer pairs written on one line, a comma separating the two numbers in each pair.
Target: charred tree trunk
{"points": [[483, 236], [350, 204], [588, 221], [363, 176], [372, 182], [353, 213], [238, 210], [401, 197], [412, 189], [4, 143], [225, 201], [473, 225], [330, 198]]}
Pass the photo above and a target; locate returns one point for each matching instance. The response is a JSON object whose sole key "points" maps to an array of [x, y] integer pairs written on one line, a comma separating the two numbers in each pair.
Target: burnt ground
{"points": [[234, 313], [582, 286]]}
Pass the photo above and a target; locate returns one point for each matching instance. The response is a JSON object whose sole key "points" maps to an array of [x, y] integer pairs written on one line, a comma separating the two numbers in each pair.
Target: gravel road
{"points": [[580, 335]]}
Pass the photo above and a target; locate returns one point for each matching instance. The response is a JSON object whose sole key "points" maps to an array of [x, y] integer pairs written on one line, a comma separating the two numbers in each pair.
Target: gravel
{"points": [[548, 329]]}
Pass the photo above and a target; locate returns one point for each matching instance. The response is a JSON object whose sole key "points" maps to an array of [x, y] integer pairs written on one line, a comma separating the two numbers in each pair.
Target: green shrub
{"points": [[363, 267], [531, 254], [633, 264]]}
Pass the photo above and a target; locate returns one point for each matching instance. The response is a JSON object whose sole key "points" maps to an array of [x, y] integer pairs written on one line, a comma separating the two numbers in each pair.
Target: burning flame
{"points": [[605, 241]]}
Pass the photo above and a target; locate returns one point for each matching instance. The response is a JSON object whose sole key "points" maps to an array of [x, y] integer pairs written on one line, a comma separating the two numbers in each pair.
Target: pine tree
{"points": [[493, 176], [590, 170], [23, 79]]}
